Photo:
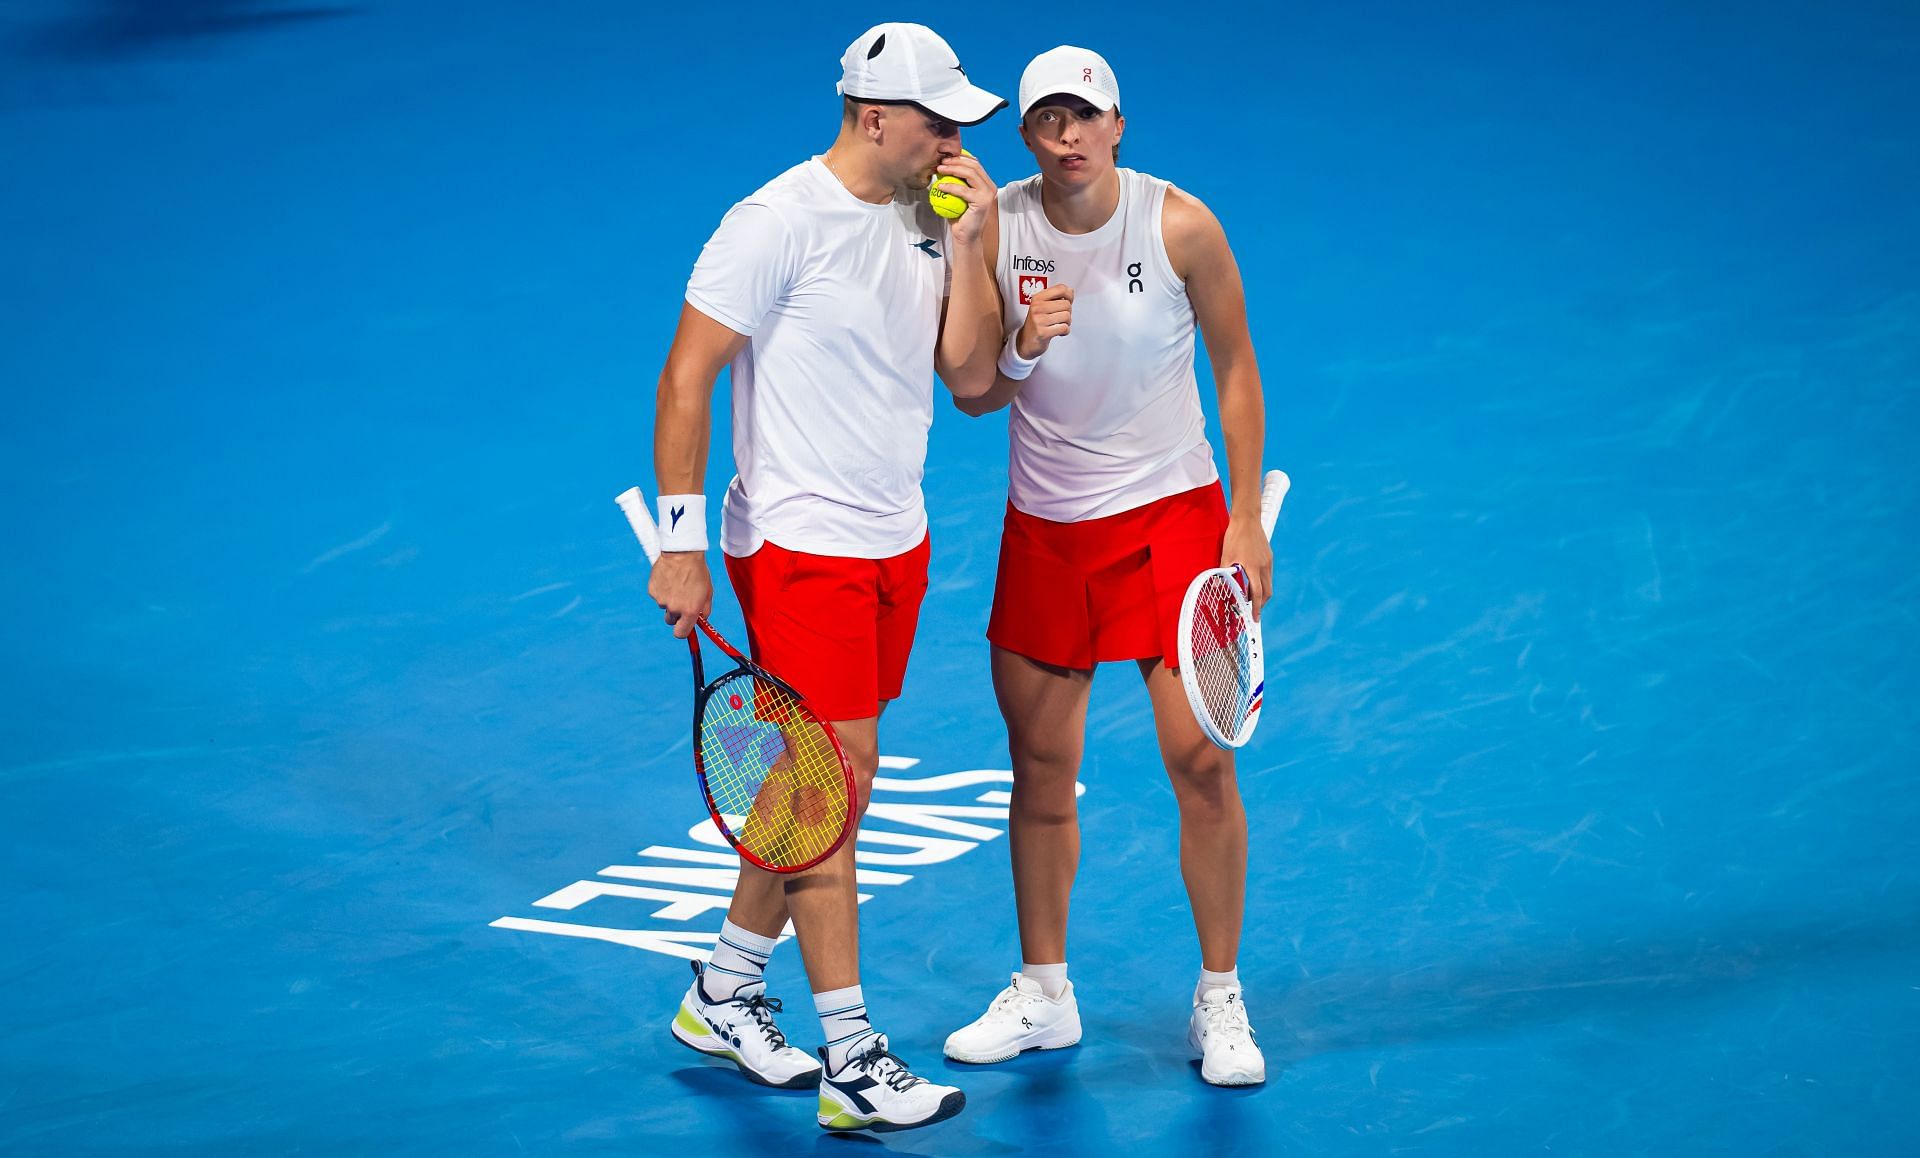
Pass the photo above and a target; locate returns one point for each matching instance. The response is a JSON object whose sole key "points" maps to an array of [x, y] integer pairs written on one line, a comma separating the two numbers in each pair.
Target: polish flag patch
{"points": [[1029, 286]]}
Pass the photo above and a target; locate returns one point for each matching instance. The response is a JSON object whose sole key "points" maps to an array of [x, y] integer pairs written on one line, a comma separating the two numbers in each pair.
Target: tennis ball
{"points": [[946, 204]]}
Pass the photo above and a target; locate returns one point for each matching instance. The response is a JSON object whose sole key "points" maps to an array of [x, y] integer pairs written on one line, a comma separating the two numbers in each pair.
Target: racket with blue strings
{"points": [[771, 771], [1221, 666]]}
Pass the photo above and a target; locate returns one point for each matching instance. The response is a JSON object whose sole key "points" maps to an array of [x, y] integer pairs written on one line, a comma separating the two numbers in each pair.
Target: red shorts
{"points": [[1077, 594], [837, 629]]}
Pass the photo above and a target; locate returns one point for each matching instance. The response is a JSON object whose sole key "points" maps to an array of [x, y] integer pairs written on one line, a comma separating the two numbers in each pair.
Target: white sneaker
{"points": [[875, 1091], [1022, 1017], [1224, 1038], [741, 1030]]}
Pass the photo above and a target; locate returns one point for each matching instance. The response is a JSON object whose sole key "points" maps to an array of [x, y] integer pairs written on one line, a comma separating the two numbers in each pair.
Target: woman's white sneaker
{"points": [[742, 1031], [1224, 1038], [876, 1091], [1022, 1017]]}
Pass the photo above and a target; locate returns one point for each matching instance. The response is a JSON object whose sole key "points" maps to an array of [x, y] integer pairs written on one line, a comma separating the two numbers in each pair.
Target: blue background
{"points": [[1582, 810]]}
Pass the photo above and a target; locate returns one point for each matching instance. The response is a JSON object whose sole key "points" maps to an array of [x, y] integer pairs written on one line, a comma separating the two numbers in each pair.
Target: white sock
{"points": [[843, 1021], [1052, 978], [1230, 981], [739, 960]]}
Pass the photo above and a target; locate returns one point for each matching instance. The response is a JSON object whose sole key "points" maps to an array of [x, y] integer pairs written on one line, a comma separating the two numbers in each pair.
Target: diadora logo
{"points": [[925, 245], [725, 1030], [1030, 264], [1030, 285], [914, 824]]}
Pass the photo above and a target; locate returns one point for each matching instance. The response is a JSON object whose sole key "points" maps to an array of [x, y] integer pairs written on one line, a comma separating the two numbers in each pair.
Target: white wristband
{"points": [[1012, 364], [683, 522]]}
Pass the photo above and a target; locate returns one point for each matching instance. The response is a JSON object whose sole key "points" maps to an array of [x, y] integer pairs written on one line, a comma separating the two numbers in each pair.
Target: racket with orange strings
{"points": [[771, 771]]}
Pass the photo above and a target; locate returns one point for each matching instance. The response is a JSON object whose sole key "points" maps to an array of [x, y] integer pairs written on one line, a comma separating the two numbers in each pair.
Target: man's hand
{"points": [[1049, 316], [979, 193], [1246, 544], [682, 587]]}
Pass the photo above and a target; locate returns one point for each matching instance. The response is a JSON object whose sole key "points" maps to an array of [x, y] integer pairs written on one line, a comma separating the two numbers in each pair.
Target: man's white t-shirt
{"points": [[833, 392]]}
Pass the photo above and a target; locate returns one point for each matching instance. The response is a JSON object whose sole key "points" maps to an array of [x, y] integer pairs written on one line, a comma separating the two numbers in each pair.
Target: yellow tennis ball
{"points": [[946, 204]]}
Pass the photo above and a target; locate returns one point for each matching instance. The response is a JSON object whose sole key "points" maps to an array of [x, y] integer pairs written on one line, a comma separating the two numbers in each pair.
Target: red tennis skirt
{"points": [[1077, 594]]}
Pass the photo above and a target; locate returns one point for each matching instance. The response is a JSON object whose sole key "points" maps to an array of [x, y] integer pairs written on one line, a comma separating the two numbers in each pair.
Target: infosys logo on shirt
{"points": [[1032, 271]]}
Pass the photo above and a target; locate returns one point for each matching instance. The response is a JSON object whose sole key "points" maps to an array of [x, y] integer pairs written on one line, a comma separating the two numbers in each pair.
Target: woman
{"points": [[1114, 505]]}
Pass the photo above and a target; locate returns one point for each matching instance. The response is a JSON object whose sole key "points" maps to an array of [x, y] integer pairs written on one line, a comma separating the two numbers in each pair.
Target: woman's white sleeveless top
{"points": [[1110, 419]]}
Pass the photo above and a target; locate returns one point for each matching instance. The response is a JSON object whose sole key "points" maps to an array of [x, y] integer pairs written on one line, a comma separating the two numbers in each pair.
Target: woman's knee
{"points": [[1204, 779]]}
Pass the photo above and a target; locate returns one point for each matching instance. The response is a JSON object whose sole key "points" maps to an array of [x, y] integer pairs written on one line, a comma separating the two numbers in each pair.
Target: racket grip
{"points": [[1273, 492], [635, 509]]}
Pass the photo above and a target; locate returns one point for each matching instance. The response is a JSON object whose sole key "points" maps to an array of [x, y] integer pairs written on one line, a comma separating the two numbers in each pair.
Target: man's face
{"points": [[1072, 140], [917, 142]]}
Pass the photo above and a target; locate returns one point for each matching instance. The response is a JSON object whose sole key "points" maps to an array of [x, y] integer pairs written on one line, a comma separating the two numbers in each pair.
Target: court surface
{"points": [[343, 771]]}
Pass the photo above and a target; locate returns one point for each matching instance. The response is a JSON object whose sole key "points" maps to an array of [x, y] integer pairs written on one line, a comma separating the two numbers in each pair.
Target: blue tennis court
{"points": [[344, 772]]}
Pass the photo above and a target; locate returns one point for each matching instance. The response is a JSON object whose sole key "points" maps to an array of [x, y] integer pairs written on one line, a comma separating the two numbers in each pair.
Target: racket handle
{"points": [[635, 508], [1273, 492]]}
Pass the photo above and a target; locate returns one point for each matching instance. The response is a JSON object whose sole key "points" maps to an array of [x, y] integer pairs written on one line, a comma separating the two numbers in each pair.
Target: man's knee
{"points": [[862, 750]]}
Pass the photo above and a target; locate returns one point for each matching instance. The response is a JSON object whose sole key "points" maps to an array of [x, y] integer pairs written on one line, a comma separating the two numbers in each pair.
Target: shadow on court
{"points": [[107, 30], [1535, 986], [722, 1079]]}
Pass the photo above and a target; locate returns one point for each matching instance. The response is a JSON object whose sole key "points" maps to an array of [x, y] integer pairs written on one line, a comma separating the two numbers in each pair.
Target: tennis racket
{"points": [[771, 770], [1219, 640]]}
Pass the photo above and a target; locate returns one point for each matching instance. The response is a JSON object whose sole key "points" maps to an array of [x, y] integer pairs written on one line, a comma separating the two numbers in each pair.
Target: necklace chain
{"points": [[827, 160]]}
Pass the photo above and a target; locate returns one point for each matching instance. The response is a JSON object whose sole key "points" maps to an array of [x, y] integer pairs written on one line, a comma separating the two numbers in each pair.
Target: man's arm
{"points": [[1049, 316], [1197, 246], [1000, 394], [683, 421], [969, 345]]}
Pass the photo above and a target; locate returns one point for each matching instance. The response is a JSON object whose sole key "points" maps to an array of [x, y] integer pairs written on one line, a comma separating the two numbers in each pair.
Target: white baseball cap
{"points": [[1071, 71], [909, 62]]}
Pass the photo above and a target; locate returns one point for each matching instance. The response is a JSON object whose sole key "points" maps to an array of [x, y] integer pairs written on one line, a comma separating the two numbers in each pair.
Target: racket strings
{"points": [[769, 760], [1222, 655]]}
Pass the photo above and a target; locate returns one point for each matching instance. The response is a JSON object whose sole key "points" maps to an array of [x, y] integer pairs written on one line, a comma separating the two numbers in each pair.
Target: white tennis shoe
{"points": [[1223, 1037], [876, 1091], [742, 1031], [1022, 1017]]}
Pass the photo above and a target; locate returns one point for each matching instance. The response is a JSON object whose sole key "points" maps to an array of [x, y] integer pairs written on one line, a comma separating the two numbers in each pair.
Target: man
{"points": [[834, 293]]}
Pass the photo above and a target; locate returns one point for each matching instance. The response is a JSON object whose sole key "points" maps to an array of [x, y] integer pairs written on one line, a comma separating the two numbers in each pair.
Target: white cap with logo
{"points": [[1069, 71], [909, 62]]}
